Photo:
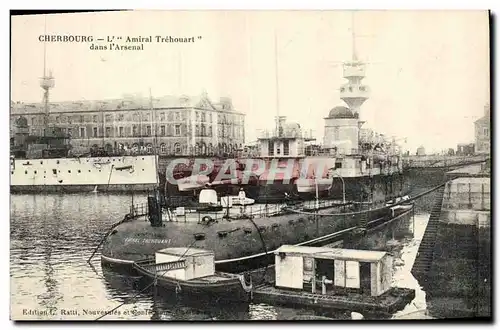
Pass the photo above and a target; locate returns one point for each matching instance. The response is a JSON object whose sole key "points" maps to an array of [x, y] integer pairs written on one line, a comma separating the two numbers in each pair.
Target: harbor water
{"points": [[52, 236]]}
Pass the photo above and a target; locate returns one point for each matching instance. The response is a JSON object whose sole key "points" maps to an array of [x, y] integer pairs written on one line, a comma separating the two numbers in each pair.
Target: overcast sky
{"points": [[428, 70]]}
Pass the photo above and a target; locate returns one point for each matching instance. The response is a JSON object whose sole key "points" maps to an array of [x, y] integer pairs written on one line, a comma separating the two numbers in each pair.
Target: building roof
{"points": [[128, 102], [483, 120], [332, 253], [184, 251], [341, 112]]}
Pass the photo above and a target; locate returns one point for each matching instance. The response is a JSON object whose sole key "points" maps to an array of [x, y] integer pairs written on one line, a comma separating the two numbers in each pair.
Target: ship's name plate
{"points": [[148, 240]]}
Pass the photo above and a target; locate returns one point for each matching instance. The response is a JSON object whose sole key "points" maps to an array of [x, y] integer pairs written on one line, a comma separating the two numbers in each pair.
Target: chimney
{"points": [[487, 110]]}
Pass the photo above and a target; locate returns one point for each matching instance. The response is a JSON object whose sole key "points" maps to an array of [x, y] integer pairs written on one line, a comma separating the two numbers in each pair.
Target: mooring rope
{"points": [[127, 217], [145, 288], [265, 250]]}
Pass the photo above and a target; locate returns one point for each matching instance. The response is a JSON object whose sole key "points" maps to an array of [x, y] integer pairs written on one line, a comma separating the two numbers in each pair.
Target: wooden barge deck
{"points": [[390, 302]]}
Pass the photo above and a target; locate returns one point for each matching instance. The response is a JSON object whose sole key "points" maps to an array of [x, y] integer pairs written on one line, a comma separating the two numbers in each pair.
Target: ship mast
{"points": [[46, 83], [276, 82], [153, 126]]}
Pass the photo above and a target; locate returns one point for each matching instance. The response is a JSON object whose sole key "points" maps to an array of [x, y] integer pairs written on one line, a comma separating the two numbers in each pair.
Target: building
{"points": [[421, 151], [182, 125], [465, 149], [482, 129]]}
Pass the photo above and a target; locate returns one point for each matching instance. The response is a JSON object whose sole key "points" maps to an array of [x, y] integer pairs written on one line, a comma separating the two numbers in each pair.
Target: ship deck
{"points": [[390, 302]]}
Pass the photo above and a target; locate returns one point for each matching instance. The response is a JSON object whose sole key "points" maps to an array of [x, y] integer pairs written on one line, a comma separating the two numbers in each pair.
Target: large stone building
{"points": [[482, 128], [182, 125]]}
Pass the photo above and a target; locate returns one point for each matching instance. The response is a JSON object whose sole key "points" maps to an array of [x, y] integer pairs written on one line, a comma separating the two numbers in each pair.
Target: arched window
{"points": [[149, 148], [163, 148], [177, 148]]}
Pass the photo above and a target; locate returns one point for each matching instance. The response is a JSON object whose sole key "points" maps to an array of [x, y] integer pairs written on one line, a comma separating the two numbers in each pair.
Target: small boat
{"points": [[191, 271]]}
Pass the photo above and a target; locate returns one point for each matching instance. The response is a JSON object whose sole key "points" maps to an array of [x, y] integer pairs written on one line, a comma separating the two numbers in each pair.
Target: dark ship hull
{"points": [[383, 187], [243, 244]]}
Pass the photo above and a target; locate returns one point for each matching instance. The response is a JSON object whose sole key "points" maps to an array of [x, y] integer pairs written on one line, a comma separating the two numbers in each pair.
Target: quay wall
{"points": [[459, 281]]}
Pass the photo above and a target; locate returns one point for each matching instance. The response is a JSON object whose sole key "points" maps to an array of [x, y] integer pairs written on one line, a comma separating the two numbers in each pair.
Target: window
{"points": [[162, 116], [149, 147], [170, 116], [148, 130], [108, 131], [120, 131], [70, 131], [177, 148], [177, 130], [177, 116], [278, 150], [134, 130], [486, 132], [108, 118], [336, 133], [271, 148], [162, 130], [203, 116], [286, 148], [163, 148], [95, 131], [82, 132], [203, 131], [197, 131], [94, 118], [350, 89], [197, 116]]}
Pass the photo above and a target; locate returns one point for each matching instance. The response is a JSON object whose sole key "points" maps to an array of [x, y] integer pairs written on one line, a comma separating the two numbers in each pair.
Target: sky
{"points": [[428, 71]]}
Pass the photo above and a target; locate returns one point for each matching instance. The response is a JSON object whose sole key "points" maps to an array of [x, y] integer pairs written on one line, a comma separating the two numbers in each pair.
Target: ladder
{"points": [[423, 261]]}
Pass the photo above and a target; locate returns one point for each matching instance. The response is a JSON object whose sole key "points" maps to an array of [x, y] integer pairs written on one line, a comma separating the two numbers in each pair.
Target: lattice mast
{"points": [[46, 83]]}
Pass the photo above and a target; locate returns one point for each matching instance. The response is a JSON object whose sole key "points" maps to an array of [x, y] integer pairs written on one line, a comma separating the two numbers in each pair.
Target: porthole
{"points": [[25, 172], [34, 172], [69, 171], [79, 171]]}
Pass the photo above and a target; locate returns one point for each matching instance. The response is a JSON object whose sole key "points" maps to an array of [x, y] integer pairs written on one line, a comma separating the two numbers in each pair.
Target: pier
{"points": [[454, 259]]}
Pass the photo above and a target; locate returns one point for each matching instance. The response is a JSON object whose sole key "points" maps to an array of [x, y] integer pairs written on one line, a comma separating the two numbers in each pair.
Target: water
{"points": [[52, 236]]}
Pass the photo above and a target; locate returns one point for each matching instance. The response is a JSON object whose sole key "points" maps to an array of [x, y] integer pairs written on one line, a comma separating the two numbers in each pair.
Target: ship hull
{"points": [[384, 187], [116, 188], [68, 175], [238, 245]]}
